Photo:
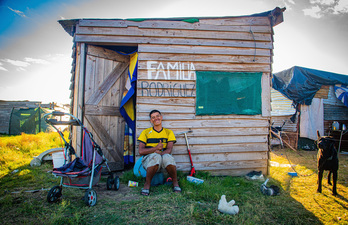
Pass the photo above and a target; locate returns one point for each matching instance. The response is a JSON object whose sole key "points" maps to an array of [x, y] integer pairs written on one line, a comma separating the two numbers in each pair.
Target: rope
{"points": [[252, 33], [295, 169]]}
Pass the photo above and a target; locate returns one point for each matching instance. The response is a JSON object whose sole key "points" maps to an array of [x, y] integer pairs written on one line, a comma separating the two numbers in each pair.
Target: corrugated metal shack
{"points": [[175, 58], [330, 109]]}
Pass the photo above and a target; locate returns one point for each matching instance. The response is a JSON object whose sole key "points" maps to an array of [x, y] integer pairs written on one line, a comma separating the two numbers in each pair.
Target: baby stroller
{"points": [[83, 172]]}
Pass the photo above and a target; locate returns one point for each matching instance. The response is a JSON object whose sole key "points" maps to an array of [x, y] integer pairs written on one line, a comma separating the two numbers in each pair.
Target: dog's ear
{"points": [[318, 134]]}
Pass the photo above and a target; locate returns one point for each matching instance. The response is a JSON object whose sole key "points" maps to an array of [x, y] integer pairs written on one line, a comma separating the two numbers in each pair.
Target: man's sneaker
{"points": [[254, 175]]}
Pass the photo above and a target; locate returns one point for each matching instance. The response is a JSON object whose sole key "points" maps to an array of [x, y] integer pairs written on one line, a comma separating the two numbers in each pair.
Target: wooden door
{"points": [[104, 83]]}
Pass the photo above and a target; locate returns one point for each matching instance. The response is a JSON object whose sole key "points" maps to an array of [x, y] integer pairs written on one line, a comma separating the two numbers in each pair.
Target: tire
{"points": [[90, 197], [109, 182], [117, 183], [54, 194]]}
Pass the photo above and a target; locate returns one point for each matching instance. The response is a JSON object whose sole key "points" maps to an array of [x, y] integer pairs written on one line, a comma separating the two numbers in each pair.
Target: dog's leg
{"points": [[334, 179], [320, 177], [329, 178]]}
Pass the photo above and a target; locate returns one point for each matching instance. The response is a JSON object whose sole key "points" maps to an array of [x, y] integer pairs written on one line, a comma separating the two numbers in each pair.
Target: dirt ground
{"points": [[123, 193]]}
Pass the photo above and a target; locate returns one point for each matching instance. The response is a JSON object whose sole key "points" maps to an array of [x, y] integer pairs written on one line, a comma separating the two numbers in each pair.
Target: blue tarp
{"points": [[300, 84]]}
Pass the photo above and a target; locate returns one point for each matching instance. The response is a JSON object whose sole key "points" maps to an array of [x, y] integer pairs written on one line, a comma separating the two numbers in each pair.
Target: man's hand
{"points": [[159, 146]]}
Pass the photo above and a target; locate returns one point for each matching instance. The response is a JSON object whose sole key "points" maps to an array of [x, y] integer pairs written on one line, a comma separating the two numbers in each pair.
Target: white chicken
{"points": [[227, 207]]}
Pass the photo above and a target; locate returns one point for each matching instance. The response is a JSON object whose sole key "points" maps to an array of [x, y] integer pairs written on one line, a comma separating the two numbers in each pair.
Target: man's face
{"points": [[156, 119]]}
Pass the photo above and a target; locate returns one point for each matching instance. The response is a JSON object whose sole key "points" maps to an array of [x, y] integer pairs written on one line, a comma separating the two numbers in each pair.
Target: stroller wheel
{"points": [[109, 182], [91, 197], [117, 183], [54, 194]]}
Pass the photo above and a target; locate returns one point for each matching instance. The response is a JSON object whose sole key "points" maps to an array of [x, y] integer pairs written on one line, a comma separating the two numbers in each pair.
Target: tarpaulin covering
{"points": [[224, 93], [27, 120], [300, 84]]}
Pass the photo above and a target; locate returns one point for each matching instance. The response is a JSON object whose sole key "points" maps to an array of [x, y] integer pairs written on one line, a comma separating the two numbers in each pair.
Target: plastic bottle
{"points": [[335, 125]]}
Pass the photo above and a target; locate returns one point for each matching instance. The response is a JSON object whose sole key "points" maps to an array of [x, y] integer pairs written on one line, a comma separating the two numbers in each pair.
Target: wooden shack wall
{"points": [[169, 54]]}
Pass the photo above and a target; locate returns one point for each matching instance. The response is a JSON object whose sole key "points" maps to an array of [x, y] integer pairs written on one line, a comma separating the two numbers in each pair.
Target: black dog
{"points": [[327, 160]]}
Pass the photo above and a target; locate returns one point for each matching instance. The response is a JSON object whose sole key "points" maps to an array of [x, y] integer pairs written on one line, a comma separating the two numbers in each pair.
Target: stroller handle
{"points": [[52, 121]]}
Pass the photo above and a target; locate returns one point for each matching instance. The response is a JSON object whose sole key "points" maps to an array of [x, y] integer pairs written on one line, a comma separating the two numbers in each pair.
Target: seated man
{"points": [[156, 144]]}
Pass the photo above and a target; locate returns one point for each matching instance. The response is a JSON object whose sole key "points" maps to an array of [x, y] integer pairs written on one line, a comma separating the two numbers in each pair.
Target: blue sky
{"points": [[35, 51]]}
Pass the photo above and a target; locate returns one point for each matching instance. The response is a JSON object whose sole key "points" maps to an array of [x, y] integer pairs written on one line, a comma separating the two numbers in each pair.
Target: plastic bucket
{"points": [[58, 159]]}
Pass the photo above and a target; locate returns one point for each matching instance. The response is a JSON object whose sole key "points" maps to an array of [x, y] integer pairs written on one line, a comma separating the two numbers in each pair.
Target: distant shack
{"points": [[21, 116], [208, 75]]}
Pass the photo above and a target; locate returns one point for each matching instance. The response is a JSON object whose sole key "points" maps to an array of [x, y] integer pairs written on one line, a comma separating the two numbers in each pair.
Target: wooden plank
{"points": [[187, 70], [228, 21], [166, 89], [217, 132], [178, 101], [223, 148], [220, 24], [134, 40], [266, 94], [199, 132], [258, 138], [323, 92], [201, 123], [165, 109], [205, 50], [203, 58], [90, 76], [191, 75], [231, 165], [217, 140], [80, 96], [175, 33], [222, 157], [144, 116], [220, 169], [97, 110], [107, 84], [105, 53], [129, 40]]}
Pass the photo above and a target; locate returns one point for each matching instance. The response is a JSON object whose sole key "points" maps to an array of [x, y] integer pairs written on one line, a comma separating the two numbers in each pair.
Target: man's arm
{"points": [[169, 148], [145, 151]]}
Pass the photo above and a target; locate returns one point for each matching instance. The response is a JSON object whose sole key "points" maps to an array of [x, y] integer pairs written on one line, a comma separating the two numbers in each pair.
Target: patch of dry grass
{"points": [[329, 209], [17, 151]]}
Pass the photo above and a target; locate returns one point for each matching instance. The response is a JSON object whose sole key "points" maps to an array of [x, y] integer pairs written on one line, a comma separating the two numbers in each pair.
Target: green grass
{"points": [[298, 202]]}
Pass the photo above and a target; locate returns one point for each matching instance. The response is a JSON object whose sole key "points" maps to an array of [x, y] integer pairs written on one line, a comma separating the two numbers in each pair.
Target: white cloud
{"points": [[323, 7], [315, 12], [2, 68], [37, 61], [288, 4], [16, 62], [20, 69], [22, 64], [322, 2], [342, 6], [19, 13]]}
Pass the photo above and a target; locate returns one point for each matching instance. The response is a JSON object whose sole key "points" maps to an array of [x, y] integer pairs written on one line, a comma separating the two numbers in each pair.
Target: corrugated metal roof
{"points": [[280, 105]]}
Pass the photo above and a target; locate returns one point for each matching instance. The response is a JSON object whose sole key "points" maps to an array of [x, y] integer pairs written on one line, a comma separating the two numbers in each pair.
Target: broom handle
{"points": [[284, 141]]}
